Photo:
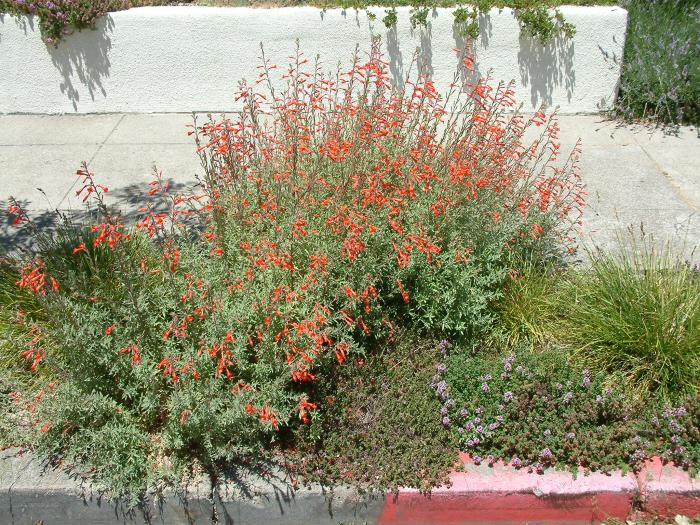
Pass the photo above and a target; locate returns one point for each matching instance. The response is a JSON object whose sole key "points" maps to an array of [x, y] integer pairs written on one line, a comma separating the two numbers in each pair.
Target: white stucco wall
{"points": [[178, 59]]}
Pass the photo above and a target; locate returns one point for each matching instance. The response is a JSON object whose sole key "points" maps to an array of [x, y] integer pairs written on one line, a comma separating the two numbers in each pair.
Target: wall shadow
{"points": [[546, 67], [396, 67], [465, 47], [82, 59], [424, 52]]}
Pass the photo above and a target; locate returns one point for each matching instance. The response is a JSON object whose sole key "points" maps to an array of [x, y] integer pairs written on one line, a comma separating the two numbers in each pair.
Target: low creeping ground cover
{"points": [[332, 217]]}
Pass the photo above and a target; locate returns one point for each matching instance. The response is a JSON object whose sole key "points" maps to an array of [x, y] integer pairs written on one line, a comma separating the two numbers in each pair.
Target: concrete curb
{"points": [[190, 58], [478, 495]]}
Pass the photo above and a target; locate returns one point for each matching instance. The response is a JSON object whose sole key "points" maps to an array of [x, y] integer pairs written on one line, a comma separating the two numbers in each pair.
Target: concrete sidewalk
{"points": [[634, 175]]}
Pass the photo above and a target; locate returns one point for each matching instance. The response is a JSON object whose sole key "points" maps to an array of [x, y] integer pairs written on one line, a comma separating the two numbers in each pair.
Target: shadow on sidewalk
{"points": [[125, 201]]}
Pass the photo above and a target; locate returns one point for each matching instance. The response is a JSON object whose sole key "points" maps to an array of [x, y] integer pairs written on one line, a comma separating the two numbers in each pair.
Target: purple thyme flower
{"points": [[568, 397], [485, 388], [493, 426], [586, 378], [637, 456], [469, 426], [508, 363], [547, 433], [444, 410], [470, 443], [446, 421], [443, 346], [441, 368], [480, 429], [571, 435], [479, 410], [516, 462], [460, 430], [450, 403], [546, 453], [441, 389], [477, 420], [464, 412], [507, 396], [477, 460]]}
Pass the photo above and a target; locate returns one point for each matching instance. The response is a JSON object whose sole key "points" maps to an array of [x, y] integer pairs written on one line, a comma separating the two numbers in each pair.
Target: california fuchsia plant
{"points": [[330, 211]]}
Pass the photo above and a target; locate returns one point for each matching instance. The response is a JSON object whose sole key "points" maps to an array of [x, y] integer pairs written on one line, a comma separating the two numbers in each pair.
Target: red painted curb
{"points": [[504, 495], [667, 491]]}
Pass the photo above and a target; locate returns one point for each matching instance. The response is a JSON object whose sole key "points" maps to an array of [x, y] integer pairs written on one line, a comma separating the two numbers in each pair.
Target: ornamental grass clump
{"points": [[330, 211], [635, 314]]}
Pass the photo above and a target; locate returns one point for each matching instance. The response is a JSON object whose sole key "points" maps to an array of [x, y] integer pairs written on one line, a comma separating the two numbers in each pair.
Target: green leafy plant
{"points": [[538, 22]]}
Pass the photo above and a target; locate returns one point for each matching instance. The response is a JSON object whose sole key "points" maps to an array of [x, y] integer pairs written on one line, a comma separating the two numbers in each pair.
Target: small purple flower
{"points": [[485, 388], [460, 430], [675, 439], [500, 419], [508, 396], [464, 412], [441, 368], [547, 433], [546, 453], [479, 410], [490, 460], [443, 346], [444, 410], [571, 435], [441, 389], [477, 441], [515, 461], [586, 378], [446, 421], [599, 399], [637, 456], [470, 443], [508, 363], [469, 426], [568, 397], [493, 426], [681, 411], [477, 420], [477, 460], [480, 429]]}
